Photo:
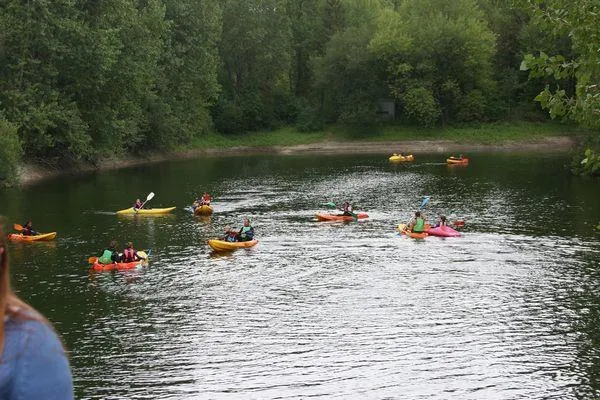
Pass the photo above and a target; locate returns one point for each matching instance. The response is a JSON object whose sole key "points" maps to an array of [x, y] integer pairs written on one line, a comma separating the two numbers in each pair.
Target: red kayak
{"points": [[340, 217], [116, 266], [444, 231]]}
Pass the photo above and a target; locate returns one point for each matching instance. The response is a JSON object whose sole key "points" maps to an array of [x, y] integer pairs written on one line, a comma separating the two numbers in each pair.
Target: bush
{"points": [[10, 152], [308, 118], [472, 107], [420, 106], [228, 117]]}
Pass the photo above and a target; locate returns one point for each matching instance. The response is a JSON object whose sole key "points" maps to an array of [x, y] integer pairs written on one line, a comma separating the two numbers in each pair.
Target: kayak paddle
{"points": [[148, 198], [18, 227], [424, 202], [92, 260]]}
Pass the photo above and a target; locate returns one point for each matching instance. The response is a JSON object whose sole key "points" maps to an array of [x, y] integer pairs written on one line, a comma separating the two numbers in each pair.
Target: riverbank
{"points": [[383, 140]]}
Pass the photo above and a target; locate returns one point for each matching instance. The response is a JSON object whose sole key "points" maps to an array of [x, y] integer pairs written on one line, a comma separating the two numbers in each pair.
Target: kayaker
{"points": [[205, 199], [129, 254], [28, 230], [442, 221], [417, 225], [138, 204], [110, 254], [347, 209], [247, 232], [230, 235]]}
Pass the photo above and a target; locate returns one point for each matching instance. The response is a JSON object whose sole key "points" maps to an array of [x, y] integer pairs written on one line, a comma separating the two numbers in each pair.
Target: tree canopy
{"points": [[81, 80]]}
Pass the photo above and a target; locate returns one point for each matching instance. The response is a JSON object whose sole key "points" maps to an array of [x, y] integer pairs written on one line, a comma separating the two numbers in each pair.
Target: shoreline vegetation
{"points": [[385, 140]]}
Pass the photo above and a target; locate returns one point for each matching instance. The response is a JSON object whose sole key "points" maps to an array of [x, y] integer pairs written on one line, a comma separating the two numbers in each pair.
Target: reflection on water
{"points": [[349, 310]]}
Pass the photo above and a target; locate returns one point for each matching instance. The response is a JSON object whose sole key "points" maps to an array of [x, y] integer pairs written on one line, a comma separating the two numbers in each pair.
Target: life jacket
{"points": [[106, 257], [128, 255], [419, 225], [246, 233]]}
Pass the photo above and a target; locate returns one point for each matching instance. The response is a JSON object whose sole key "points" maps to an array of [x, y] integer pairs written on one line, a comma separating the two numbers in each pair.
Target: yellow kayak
{"points": [[32, 238], [401, 158], [203, 210], [146, 211], [221, 245]]}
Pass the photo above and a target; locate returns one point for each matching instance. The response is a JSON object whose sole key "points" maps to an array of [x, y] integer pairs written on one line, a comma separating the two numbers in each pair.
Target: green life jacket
{"points": [[105, 258], [419, 225]]}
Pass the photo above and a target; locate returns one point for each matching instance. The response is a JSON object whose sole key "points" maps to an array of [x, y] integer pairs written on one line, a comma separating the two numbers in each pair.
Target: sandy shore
{"points": [[29, 174]]}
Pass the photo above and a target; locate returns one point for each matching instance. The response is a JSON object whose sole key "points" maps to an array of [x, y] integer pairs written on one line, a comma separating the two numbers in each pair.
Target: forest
{"points": [[81, 80]]}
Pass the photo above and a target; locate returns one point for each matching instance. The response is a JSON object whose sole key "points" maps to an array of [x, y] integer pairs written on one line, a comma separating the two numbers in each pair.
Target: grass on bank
{"points": [[482, 134]]}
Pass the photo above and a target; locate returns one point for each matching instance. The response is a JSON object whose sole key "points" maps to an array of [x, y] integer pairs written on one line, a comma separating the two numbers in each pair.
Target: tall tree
{"points": [[444, 49], [255, 51]]}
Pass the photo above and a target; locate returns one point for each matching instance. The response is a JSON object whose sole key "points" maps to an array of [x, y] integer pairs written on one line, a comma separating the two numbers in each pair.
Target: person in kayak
{"points": [[247, 232], [347, 209], [129, 254], [110, 254], [28, 230], [441, 222], [417, 225], [138, 204], [205, 199], [230, 235]]}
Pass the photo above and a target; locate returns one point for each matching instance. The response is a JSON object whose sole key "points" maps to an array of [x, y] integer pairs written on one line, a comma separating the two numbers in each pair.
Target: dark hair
{"points": [[418, 214], [113, 244], [443, 217]]}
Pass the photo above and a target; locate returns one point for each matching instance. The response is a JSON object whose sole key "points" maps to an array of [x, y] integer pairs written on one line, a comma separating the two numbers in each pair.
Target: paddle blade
{"points": [[330, 204], [142, 255], [92, 260], [458, 223], [18, 227], [424, 202], [150, 196]]}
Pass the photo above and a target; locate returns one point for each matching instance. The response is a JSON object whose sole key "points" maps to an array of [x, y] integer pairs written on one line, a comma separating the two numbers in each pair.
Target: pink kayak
{"points": [[444, 231]]}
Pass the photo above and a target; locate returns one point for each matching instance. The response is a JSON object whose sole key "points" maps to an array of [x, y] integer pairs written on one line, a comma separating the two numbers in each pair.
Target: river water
{"points": [[509, 310]]}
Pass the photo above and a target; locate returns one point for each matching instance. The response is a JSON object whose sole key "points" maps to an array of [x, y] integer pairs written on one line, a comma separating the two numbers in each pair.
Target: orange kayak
{"points": [[414, 235], [97, 267], [32, 238], [331, 217]]}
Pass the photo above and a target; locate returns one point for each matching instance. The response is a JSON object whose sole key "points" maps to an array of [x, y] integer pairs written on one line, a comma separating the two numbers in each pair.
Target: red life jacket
{"points": [[129, 255]]}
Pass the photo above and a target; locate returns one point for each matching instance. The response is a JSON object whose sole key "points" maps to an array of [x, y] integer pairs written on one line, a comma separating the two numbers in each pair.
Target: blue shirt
{"points": [[34, 364]]}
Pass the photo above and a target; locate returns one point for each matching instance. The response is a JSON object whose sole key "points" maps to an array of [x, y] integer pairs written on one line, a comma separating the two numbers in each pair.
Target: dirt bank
{"points": [[29, 174]]}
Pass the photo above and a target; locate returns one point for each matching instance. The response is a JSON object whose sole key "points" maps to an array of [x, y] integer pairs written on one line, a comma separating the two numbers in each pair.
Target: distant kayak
{"points": [[203, 210], [32, 238], [444, 231], [457, 161], [97, 267], [221, 245], [146, 211], [401, 158], [340, 217], [414, 235]]}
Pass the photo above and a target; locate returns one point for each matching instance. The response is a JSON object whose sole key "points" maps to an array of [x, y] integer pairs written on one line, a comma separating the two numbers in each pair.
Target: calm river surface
{"points": [[511, 310]]}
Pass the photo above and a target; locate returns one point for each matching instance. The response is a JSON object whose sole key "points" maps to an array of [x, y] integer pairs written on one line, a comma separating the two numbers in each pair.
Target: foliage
{"points": [[442, 46], [577, 20], [10, 151], [80, 80], [420, 106]]}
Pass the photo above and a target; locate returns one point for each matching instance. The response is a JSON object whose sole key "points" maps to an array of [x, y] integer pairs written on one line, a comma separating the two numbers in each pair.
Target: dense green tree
{"points": [[10, 151], [255, 52], [442, 46], [577, 20], [349, 79]]}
